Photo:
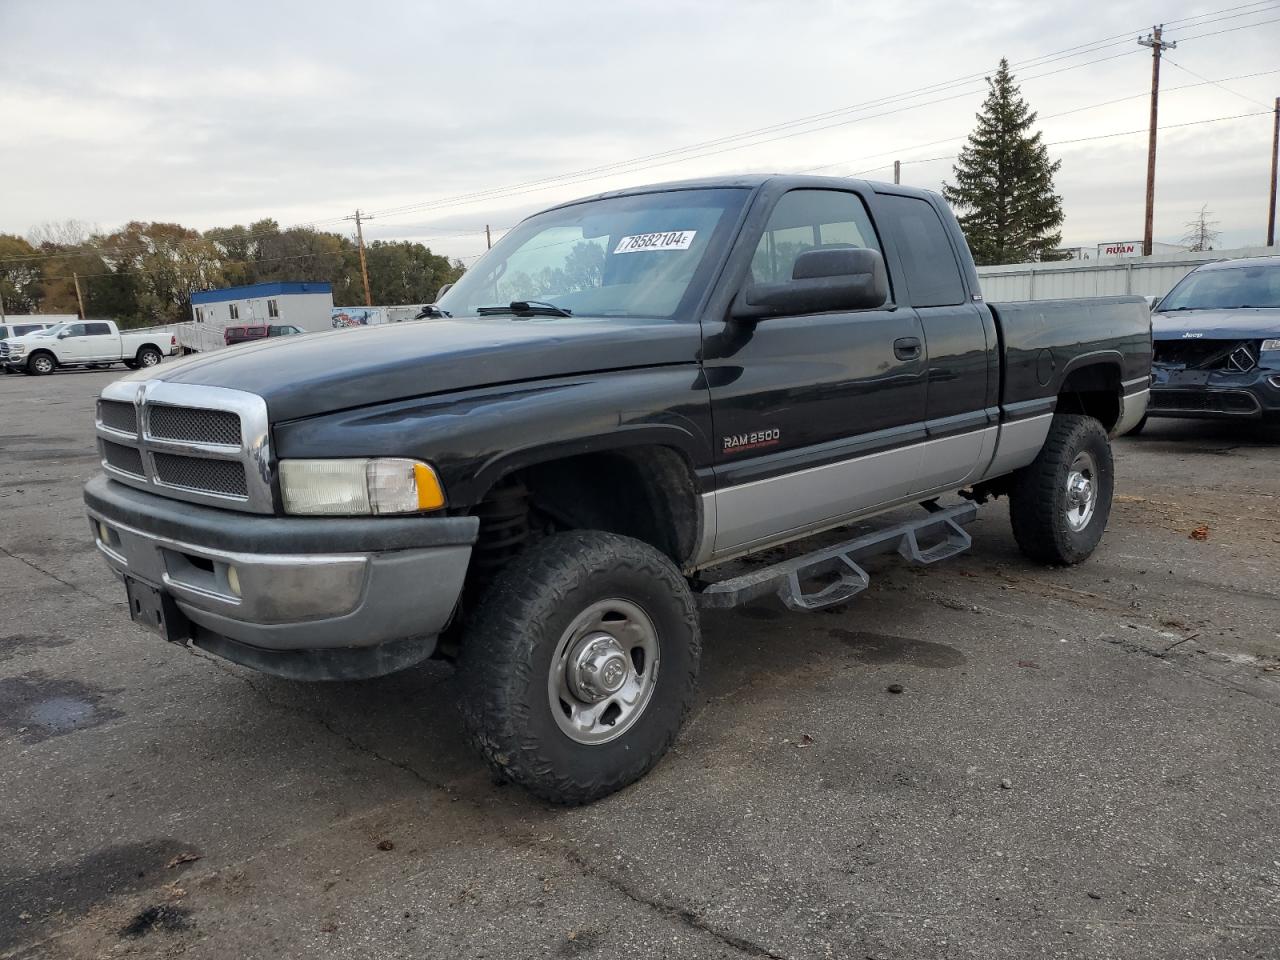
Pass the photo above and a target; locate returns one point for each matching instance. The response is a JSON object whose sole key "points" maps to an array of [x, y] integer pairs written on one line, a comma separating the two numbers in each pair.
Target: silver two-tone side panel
{"points": [[754, 515]]}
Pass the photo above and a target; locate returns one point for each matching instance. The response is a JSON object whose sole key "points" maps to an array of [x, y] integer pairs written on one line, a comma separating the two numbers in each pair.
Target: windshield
{"points": [[1226, 288], [633, 256]]}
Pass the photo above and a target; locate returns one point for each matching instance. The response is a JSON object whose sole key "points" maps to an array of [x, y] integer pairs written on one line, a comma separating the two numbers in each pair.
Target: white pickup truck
{"points": [[88, 343]]}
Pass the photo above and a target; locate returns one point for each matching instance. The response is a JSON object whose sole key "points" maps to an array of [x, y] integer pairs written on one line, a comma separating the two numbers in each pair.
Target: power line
{"points": [[1050, 116], [1172, 63], [675, 155], [1099, 136]]}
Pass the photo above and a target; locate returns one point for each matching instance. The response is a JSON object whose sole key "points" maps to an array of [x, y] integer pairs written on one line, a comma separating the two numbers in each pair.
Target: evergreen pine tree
{"points": [[1004, 181]]}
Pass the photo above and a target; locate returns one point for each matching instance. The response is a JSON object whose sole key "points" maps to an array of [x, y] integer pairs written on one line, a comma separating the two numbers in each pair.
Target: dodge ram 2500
{"points": [[624, 393], [92, 343]]}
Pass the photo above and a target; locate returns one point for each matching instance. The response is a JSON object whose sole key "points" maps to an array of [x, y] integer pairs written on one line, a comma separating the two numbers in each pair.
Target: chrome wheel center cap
{"points": [[1080, 490], [598, 668]]}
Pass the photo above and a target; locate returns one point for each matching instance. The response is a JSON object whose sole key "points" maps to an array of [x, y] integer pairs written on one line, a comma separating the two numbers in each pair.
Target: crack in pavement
{"points": [[322, 721], [53, 576], [682, 915]]}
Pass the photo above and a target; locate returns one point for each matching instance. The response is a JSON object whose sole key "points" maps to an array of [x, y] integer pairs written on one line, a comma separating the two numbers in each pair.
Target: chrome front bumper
{"points": [[253, 586]]}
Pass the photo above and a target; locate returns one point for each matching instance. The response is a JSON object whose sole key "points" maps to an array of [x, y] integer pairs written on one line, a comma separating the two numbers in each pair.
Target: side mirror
{"points": [[64, 334], [836, 278]]}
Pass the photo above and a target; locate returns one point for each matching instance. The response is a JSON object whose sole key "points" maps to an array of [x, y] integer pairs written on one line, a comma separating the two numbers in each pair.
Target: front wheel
{"points": [[1060, 503], [581, 665], [40, 365]]}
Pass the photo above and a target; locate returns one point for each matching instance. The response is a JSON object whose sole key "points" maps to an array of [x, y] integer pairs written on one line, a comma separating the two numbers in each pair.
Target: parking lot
{"points": [[1081, 763]]}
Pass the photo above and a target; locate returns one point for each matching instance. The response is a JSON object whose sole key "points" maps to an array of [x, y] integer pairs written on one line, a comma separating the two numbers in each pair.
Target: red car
{"points": [[234, 335]]}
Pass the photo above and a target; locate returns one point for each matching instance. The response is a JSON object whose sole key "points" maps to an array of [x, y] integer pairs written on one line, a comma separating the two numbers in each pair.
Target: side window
{"points": [[24, 330], [75, 330], [199, 314], [805, 220], [234, 311], [928, 259], [273, 309], [97, 330]]}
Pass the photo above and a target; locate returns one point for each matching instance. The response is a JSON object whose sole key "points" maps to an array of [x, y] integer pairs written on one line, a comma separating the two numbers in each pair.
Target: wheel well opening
{"points": [[1093, 391], [646, 492]]}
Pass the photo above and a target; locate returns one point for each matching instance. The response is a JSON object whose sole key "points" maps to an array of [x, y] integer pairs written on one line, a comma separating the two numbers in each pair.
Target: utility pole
{"points": [[79, 299], [1158, 46], [1275, 162], [2, 300], [364, 267], [897, 171], [488, 241]]}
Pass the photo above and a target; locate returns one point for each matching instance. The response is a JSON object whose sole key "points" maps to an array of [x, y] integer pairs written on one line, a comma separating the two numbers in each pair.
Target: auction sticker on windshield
{"points": [[672, 240]]}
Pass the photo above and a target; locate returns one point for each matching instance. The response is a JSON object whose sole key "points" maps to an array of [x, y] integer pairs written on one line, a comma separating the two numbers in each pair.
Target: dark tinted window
{"points": [[97, 330], [929, 262], [23, 330], [806, 220]]}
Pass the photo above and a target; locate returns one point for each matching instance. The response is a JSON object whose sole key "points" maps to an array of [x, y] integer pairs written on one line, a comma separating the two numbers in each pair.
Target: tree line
{"points": [[145, 273]]}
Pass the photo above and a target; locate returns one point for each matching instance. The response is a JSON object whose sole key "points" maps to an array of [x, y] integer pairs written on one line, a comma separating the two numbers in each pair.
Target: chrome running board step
{"points": [[786, 579]]}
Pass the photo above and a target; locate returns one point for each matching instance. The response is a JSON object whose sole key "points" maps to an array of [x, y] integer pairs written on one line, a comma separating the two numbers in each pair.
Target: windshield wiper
{"points": [[526, 308]]}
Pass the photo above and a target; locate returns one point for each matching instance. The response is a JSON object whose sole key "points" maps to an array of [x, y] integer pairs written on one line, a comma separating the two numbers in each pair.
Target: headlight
{"points": [[356, 487], [1271, 345]]}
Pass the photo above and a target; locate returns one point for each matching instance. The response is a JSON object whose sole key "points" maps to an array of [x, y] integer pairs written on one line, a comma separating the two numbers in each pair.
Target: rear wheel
{"points": [[1059, 505], [40, 365], [581, 665], [148, 357]]}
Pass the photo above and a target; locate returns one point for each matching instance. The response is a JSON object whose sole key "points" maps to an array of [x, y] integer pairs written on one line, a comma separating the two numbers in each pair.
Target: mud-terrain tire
{"points": [[1056, 519], [556, 630]]}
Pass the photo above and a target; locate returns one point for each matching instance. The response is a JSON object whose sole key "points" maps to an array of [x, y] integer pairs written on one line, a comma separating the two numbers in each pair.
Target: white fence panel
{"points": [[1137, 276]]}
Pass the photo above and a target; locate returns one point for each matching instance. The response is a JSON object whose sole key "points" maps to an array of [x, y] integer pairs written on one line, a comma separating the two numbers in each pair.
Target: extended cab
{"points": [[83, 344], [623, 394]]}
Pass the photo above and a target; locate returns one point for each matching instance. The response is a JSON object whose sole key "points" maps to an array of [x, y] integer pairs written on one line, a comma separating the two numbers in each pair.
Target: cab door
{"points": [[73, 346], [819, 416], [963, 357]]}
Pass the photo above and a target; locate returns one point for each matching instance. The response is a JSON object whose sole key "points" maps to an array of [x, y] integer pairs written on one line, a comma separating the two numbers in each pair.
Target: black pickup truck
{"points": [[625, 393]]}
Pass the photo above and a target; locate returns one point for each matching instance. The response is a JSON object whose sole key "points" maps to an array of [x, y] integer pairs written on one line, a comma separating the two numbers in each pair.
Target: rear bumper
{"points": [[1215, 394], [317, 598]]}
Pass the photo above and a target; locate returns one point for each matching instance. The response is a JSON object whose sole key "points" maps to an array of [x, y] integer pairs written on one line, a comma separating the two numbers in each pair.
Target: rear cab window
{"points": [[929, 265]]}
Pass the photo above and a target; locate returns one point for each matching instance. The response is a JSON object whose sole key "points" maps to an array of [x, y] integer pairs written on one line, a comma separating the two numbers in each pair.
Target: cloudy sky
{"points": [[440, 118]]}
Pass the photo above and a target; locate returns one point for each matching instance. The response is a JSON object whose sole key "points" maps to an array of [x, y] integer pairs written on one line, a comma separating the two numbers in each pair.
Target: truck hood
{"points": [[322, 373], [1242, 324]]}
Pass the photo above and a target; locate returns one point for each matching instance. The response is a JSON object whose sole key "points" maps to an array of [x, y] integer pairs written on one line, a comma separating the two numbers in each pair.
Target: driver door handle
{"points": [[907, 348]]}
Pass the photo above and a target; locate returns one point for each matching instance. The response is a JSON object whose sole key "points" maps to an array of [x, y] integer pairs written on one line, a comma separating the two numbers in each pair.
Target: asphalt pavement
{"points": [[1081, 762]]}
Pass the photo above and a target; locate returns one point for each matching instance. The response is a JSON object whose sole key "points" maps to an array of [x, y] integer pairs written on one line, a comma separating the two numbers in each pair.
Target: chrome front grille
{"points": [[223, 477], [128, 459], [193, 425], [203, 444], [117, 415]]}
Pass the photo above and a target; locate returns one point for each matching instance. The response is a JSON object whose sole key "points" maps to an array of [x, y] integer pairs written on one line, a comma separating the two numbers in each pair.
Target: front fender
{"points": [[474, 438]]}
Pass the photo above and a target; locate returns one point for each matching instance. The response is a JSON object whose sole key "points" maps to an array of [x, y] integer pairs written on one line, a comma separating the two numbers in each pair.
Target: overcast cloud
{"points": [[225, 113]]}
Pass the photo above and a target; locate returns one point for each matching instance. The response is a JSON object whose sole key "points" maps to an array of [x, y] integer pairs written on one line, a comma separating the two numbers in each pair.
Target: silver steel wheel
{"points": [[42, 364], [1082, 491], [150, 358], [604, 671]]}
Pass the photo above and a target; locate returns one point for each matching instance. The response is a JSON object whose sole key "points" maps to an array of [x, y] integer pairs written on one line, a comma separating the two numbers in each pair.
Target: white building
{"points": [[307, 306]]}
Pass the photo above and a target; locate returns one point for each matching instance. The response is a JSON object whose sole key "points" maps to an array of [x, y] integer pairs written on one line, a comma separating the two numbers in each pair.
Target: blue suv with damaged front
{"points": [[1217, 343]]}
